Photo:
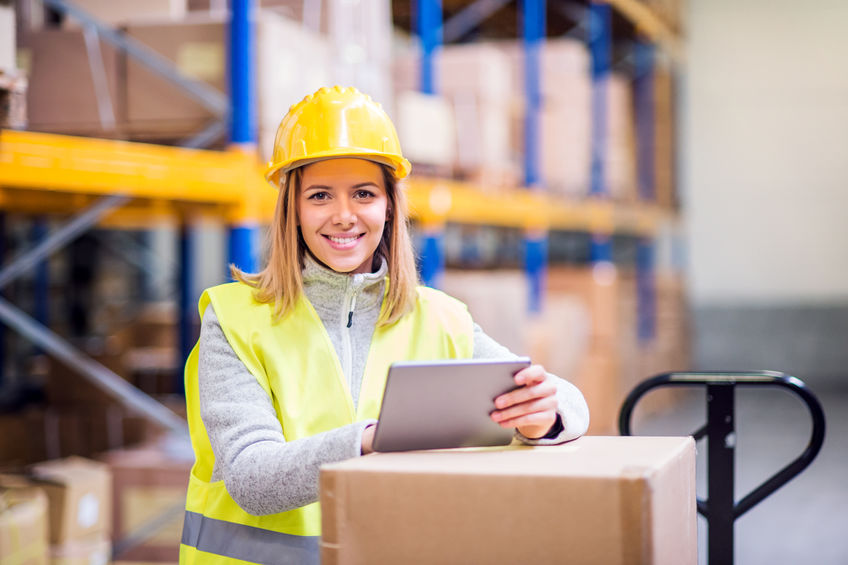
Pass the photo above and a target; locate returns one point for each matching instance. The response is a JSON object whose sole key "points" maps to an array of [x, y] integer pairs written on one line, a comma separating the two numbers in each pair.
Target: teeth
{"points": [[342, 240]]}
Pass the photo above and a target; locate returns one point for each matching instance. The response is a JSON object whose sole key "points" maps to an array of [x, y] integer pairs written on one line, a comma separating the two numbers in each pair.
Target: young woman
{"points": [[290, 366]]}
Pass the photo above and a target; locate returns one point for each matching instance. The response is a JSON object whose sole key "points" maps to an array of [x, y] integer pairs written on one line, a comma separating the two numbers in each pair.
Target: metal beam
{"points": [[533, 16], [600, 45], [469, 17], [94, 372], [60, 237], [209, 97], [207, 136], [242, 91], [430, 34], [105, 108]]}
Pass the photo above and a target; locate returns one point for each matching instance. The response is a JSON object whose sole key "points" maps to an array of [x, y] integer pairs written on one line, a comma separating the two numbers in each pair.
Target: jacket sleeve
{"points": [[572, 410], [263, 472]]}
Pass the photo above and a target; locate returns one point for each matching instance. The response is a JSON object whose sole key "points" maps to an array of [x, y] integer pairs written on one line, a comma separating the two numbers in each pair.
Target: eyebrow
{"points": [[326, 187]]}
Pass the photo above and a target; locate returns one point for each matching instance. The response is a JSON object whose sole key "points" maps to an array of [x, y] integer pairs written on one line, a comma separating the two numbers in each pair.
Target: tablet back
{"points": [[444, 404]]}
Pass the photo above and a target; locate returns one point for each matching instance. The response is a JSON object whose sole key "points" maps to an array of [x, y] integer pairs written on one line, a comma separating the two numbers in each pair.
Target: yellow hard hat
{"points": [[335, 122]]}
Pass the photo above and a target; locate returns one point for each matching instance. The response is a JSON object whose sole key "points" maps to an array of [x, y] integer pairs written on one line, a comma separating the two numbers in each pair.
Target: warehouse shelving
{"points": [[43, 174]]}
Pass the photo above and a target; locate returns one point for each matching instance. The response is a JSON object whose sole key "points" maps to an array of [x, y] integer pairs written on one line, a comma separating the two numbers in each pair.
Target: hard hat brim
{"points": [[401, 167]]}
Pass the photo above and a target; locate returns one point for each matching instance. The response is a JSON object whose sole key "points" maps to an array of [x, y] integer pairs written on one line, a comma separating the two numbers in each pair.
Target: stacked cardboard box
{"points": [[58, 59], [292, 61], [158, 109], [619, 164], [150, 485], [497, 300], [597, 500], [23, 423], [669, 350], [23, 522], [565, 120], [664, 152], [7, 38], [475, 80], [587, 331], [598, 374], [82, 419], [13, 92], [426, 128], [118, 12], [79, 493]]}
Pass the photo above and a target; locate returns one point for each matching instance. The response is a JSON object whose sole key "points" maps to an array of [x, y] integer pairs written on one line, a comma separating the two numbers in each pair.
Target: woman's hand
{"points": [[368, 439], [532, 407]]}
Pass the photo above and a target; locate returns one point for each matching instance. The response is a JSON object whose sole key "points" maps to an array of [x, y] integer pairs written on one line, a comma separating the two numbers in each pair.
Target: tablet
{"points": [[444, 404]]}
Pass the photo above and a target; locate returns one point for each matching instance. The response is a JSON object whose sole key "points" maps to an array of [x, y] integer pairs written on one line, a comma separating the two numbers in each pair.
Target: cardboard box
{"points": [[149, 482], [156, 107], [597, 500], [119, 12], [425, 126], [22, 439], [96, 550], [80, 494], [23, 522], [58, 61], [620, 162], [291, 62], [497, 300], [7, 38], [13, 92]]}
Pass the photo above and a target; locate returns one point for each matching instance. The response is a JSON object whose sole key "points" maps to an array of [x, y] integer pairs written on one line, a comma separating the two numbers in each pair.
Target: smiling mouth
{"points": [[343, 240]]}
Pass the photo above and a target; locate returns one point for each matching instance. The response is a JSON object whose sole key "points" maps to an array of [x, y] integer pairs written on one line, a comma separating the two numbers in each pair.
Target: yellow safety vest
{"points": [[295, 363]]}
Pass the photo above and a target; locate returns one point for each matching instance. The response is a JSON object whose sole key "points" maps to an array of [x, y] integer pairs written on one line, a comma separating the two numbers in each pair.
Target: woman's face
{"points": [[342, 207]]}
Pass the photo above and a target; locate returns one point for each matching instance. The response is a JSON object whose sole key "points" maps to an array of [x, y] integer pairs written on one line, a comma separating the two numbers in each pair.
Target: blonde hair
{"points": [[281, 282]]}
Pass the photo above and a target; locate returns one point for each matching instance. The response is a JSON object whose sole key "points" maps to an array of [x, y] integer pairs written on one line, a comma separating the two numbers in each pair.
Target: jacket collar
{"points": [[326, 289]]}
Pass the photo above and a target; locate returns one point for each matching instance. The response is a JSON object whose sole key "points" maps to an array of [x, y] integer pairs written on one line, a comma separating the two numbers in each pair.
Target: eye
{"points": [[362, 193], [320, 195]]}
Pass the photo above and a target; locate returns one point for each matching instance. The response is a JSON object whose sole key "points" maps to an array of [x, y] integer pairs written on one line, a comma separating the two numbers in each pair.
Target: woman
{"points": [[291, 362]]}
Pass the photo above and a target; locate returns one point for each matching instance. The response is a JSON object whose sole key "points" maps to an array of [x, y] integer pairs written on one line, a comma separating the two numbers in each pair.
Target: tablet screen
{"points": [[444, 404]]}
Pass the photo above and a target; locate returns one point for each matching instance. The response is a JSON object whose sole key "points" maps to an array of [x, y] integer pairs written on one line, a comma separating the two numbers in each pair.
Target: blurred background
{"points": [[618, 189]]}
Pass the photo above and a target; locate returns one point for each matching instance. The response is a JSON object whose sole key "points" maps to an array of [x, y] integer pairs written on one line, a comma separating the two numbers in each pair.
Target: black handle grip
{"points": [[757, 378]]}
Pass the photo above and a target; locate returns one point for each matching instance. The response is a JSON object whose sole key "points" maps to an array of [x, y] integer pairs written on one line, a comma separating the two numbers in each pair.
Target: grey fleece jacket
{"points": [[263, 472]]}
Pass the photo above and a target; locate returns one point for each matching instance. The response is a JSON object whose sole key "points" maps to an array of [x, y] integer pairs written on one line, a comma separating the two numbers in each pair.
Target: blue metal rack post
{"points": [[643, 94], [646, 291], [600, 46], [429, 21], [429, 18], [2, 326], [42, 275], [535, 241], [187, 304], [244, 235], [643, 100]]}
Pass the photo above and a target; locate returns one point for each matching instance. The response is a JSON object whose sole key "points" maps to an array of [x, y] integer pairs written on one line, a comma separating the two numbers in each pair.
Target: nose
{"points": [[344, 214]]}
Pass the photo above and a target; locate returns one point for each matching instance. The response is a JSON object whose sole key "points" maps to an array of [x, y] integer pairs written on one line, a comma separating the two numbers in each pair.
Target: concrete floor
{"points": [[805, 521]]}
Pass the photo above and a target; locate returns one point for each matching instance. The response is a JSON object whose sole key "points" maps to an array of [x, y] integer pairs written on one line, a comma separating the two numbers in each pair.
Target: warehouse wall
{"points": [[765, 132]]}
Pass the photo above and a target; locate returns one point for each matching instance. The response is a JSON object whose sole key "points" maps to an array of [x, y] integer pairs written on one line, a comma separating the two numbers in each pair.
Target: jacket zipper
{"points": [[347, 349]]}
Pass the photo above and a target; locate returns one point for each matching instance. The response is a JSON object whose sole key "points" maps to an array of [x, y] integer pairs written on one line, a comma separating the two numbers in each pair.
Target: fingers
{"points": [[534, 374], [508, 417], [535, 385]]}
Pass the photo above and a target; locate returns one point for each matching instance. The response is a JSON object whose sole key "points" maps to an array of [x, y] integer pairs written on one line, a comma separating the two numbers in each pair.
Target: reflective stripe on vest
{"points": [[295, 362], [247, 543]]}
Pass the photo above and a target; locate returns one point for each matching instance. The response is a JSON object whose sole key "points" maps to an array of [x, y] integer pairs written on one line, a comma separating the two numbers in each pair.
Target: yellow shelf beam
{"points": [[436, 202], [48, 173], [86, 167]]}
